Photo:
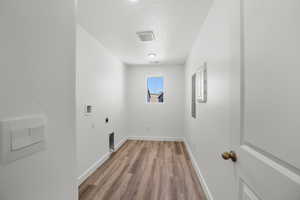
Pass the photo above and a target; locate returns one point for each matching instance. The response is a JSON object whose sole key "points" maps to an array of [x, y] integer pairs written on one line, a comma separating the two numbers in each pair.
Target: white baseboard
{"points": [[93, 168], [151, 138], [120, 144], [199, 174], [98, 163]]}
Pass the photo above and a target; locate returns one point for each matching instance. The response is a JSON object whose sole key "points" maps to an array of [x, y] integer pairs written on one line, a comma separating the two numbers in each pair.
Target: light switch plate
{"points": [[21, 137]]}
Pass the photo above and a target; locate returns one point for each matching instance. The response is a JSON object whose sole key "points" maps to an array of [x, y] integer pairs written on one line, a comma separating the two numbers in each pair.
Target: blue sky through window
{"points": [[155, 85]]}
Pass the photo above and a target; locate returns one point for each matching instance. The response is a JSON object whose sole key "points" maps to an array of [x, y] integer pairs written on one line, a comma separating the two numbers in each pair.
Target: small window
{"points": [[155, 87]]}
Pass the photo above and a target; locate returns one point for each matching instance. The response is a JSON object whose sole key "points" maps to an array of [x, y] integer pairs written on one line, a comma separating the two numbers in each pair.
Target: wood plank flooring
{"points": [[145, 170]]}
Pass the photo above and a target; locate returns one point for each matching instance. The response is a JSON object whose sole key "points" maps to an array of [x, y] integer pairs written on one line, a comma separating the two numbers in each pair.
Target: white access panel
{"points": [[21, 137]]}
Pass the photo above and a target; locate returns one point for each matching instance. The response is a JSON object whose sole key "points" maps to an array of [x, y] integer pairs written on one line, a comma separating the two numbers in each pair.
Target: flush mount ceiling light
{"points": [[151, 55], [133, 1], [146, 36]]}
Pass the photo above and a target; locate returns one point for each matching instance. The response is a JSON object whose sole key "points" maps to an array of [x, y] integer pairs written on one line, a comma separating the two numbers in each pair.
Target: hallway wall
{"points": [[209, 135], [37, 76], [155, 120], [100, 83]]}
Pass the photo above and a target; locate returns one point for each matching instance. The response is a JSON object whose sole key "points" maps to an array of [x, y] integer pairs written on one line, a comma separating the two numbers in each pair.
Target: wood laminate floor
{"points": [[144, 170]]}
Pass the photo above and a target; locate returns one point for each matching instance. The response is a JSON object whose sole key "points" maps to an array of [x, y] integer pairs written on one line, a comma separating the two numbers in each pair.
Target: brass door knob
{"points": [[229, 155]]}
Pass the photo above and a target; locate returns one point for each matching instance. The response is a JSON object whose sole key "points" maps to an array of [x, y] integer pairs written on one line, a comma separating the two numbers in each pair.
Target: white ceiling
{"points": [[114, 23]]}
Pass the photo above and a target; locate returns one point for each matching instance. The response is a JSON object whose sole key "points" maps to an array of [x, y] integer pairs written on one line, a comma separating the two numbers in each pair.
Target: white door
{"points": [[267, 139]]}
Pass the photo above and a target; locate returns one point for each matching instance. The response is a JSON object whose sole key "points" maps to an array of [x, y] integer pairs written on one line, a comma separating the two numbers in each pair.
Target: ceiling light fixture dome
{"points": [[134, 1], [151, 55]]}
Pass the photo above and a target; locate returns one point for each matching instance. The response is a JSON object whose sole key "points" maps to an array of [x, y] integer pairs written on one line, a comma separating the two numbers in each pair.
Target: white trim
{"points": [[120, 144], [146, 80], [98, 163], [104, 158], [151, 138], [93, 168], [199, 174]]}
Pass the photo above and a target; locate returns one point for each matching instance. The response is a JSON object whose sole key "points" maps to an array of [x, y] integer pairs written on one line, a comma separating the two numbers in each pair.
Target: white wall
{"points": [[155, 120], [37, 76], [100, 83], [209, 135]]}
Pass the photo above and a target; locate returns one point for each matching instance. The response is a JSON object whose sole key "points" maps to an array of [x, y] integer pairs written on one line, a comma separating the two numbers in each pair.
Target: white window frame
{"points": [[164, 85]]}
